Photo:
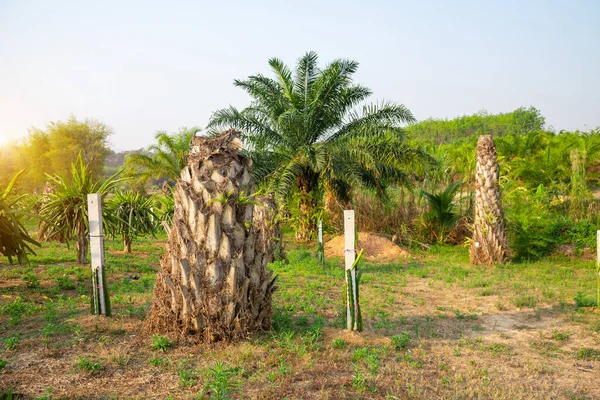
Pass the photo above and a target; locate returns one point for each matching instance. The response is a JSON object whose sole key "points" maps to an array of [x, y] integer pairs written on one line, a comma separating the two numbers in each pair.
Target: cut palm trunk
{"points": [[489, 244], [213, 282]]}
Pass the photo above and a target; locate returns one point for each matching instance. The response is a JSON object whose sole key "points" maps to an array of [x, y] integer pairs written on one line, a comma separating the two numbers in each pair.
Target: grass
{"points": [[434, 327]]}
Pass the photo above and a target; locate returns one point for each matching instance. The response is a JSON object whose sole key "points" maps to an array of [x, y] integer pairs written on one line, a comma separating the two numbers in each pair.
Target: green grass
{"points": [[418, 314]]}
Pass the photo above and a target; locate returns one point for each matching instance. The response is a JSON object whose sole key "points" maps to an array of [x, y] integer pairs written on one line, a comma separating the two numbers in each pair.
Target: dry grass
{"points": [[471, 336]]}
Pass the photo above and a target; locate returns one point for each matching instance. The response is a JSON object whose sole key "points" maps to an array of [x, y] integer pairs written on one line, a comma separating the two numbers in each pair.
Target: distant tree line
{"points": [[52, 151]]}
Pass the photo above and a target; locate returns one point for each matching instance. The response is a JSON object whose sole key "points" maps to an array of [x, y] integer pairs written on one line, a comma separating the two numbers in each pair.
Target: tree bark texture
{"points": [[489, 244], [126, 244], [213, 283]]}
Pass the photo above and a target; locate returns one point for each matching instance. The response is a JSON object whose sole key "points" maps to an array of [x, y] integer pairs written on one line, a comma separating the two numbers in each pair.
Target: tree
{"points": [[65, 212], [130, 215], [54, 150], [213, 282], [441, 206], [165, 159], [488, 245], [303, 133], [14, 239]]}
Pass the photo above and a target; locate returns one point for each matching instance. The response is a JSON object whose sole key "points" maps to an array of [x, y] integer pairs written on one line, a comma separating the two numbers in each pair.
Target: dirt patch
{"points": [[377, 249]]}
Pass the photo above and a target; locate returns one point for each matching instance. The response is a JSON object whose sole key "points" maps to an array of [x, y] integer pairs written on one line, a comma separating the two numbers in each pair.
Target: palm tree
{"points": [[441, 206], [132, 215], [14, 239], [213, 282], [304, 135], [65, 212], [488, 245], [165, 159]]}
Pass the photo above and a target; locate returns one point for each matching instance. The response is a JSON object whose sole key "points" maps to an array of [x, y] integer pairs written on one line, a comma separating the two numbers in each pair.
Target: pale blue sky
{"points": [[143, 66]]}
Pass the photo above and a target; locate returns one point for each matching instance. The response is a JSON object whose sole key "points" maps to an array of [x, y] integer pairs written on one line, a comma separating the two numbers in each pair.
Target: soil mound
{"points": [[377, 249]]}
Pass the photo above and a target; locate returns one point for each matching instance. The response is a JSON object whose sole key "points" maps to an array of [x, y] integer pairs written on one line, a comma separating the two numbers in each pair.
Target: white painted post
{"points": [[349, 256], [97, 250], [321, 248]]}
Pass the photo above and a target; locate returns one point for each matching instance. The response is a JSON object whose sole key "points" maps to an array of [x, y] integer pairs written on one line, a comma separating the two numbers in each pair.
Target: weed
{"points": [[161, 343], [581, 300], [17, 309], [47, 395], [413, 362], [587, 353], [339, 343], [31, 280], [358, 380], [159, 361], [360, 353], [121, 360], [498, 348], [221, 381], [87, 364], [12, 342], [525, 300], [545, 348], [65, 283], [561, 336], [400, 341], [460, 315], [3, 363]]}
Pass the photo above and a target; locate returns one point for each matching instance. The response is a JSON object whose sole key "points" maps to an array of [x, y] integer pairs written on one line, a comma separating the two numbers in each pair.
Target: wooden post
{"points": [[99, 291], [349, 255], [321, 245]]}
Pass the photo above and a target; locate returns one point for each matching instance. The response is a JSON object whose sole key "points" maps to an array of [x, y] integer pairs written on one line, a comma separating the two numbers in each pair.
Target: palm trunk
{"points": [[307, 222], [489, 245], [81, 244], [126, 244], [213, 283]]}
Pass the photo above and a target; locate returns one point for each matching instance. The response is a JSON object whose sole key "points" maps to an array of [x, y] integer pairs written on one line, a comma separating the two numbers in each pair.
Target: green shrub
{"points": [[3, 364], [533, 230]]}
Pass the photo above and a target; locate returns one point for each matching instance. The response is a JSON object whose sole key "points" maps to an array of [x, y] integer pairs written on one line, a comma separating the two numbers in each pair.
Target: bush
{"points": [[533, 230]]}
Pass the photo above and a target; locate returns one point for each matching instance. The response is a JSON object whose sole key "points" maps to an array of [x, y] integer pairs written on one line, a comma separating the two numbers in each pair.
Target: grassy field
{"points": [[434, 327]]}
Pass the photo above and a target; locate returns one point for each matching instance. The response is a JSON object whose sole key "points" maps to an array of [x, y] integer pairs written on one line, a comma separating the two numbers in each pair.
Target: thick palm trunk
{"points": [[126, 244], [489, 243], [213, 283]]}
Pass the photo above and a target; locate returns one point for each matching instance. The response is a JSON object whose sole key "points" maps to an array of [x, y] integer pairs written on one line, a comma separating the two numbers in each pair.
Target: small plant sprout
{"points": [[87, 364], [400, 341], [161, 343]]}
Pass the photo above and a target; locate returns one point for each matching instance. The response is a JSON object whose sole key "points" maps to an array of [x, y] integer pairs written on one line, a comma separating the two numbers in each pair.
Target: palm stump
{"points": [[213, 283], [489, 243]]}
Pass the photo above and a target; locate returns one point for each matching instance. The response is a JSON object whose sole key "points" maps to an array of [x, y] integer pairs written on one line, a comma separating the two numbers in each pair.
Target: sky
{"points": [[145, 66]]}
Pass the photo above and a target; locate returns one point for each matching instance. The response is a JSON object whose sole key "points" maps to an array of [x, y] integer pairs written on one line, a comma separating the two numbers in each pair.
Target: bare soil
{"points": [[377, 249]]}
